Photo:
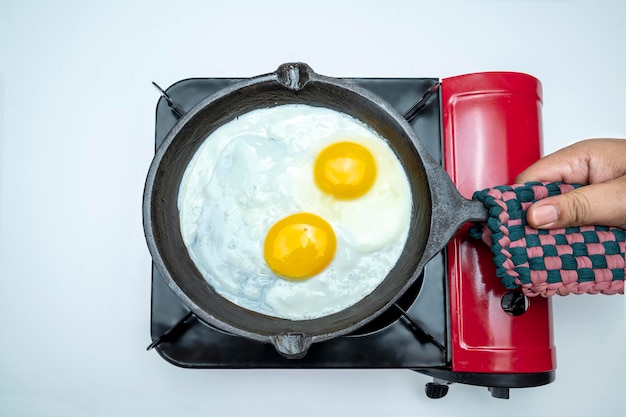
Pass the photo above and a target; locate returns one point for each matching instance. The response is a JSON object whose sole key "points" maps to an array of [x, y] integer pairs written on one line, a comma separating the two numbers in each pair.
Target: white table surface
{"points": [[76, 140]]}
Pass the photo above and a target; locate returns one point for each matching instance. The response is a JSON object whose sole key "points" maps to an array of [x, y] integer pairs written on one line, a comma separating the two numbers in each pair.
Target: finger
{"points": [[586, 162], [566, 165], [597, 204]]}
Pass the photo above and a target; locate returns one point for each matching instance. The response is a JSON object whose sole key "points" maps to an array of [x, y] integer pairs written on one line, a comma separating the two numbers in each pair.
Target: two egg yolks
{"points": [[302, 245]]}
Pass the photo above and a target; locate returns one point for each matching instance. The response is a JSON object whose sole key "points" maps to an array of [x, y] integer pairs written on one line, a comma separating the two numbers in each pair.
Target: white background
{"points": [[76, 130]]}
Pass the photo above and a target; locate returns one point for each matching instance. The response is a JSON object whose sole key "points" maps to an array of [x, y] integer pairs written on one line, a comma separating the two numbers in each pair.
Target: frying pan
{"points": [[438, 208]]}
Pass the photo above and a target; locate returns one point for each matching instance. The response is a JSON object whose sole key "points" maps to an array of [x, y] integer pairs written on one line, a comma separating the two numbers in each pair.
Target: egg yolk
{"points": [[345, 170], [300, 246]]}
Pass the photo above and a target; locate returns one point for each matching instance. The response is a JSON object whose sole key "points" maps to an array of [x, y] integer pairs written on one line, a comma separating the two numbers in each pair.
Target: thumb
{"points": [[598, 204]]}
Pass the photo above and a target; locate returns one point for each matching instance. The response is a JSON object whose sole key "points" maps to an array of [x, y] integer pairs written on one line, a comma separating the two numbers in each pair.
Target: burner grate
{"points": [[412, 334]]}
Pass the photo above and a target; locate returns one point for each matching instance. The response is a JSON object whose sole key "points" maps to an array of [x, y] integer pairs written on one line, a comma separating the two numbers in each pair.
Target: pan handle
{"points": [[450, 210]]}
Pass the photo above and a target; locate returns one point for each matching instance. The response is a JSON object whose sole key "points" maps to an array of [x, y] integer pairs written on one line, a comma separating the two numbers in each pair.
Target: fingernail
{"points": [[545, 215]]}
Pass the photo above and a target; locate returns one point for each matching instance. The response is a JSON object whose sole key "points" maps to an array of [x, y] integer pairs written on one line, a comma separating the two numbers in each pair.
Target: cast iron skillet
{"points": [[438, 209]]}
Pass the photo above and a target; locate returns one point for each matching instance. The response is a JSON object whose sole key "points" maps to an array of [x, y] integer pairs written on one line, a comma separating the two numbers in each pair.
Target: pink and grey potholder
{"points": [[588, 259]]}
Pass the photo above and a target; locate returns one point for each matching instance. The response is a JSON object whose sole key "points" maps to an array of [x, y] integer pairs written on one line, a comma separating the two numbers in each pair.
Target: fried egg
{"points": [[294, 211]]}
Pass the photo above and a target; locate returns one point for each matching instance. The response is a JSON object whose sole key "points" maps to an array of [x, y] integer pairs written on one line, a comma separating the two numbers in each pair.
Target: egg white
{"points": [[257, 169]]}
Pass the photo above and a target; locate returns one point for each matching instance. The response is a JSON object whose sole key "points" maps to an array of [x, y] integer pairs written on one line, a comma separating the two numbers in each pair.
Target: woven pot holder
{"points": [[588, 259]]}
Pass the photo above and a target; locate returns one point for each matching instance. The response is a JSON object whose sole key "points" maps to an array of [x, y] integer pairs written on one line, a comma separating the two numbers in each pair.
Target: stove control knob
{"points": [[435, 390], [514, 303]]}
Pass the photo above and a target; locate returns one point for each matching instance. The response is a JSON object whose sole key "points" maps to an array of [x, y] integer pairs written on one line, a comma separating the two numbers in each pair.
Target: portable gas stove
{"points": [[458, 323]]}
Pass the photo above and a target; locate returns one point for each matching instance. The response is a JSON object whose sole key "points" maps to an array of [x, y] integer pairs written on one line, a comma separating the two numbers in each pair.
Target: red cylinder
{"points": [[492, 131]]}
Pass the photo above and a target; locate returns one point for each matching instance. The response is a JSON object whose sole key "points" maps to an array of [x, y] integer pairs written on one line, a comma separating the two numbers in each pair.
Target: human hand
{"points": [[600, 165]]}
